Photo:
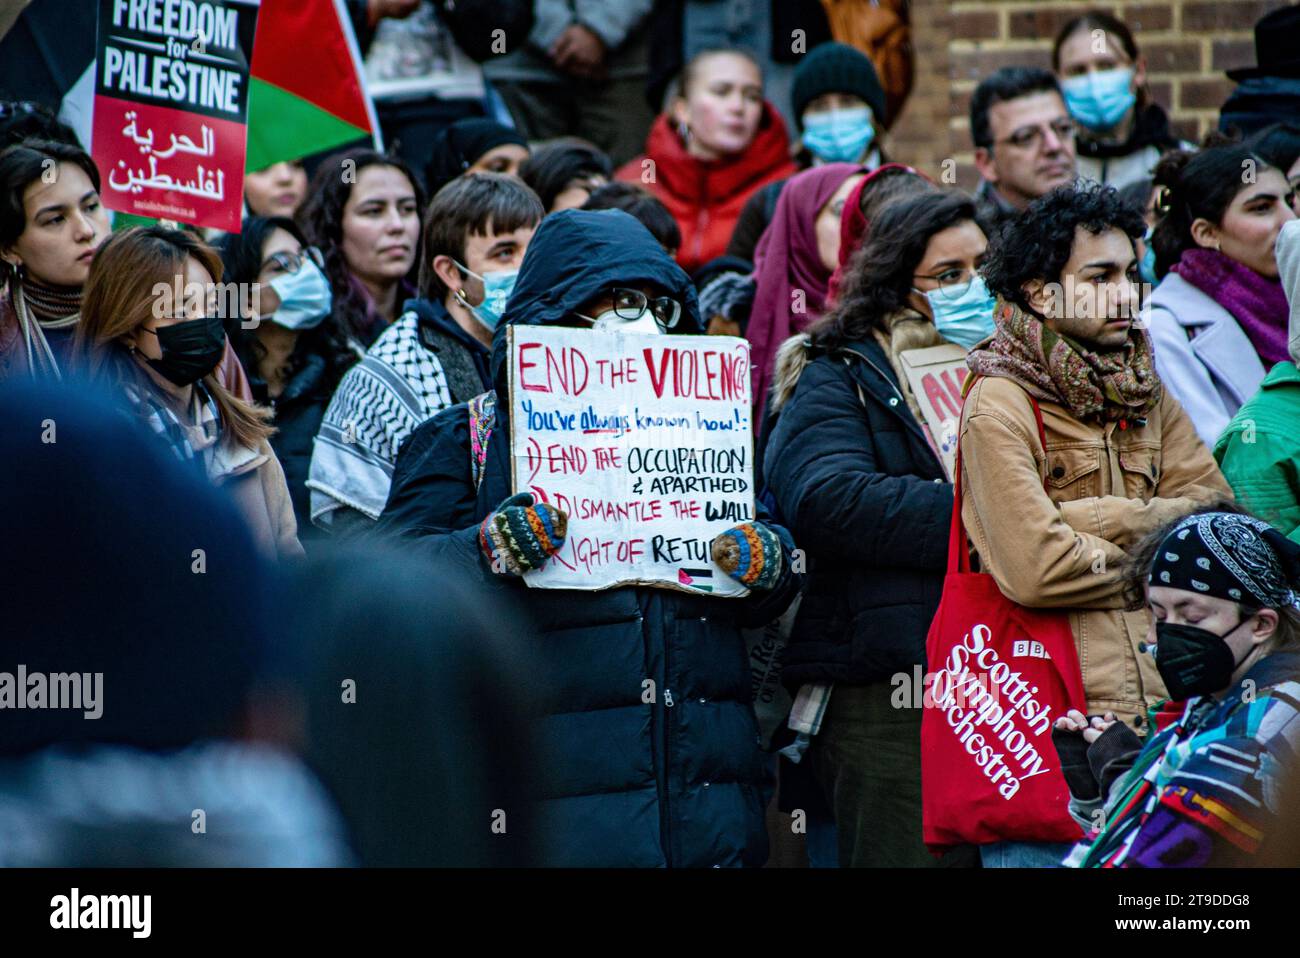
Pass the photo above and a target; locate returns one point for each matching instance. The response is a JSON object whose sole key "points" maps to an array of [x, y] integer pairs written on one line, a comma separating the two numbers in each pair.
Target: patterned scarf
{"points": [[194, 441], [50, 304], [1118, 384]]}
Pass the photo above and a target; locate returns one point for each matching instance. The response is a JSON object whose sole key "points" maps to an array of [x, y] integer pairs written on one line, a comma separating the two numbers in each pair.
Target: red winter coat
{"points": [[706, 197]]}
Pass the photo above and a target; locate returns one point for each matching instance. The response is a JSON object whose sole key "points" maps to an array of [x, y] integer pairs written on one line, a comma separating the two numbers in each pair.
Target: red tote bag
{"points": [[1000, 676]]}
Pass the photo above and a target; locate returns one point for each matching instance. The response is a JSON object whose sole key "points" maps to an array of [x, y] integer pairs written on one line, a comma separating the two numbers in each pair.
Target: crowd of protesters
{"points": [[333, 455]]}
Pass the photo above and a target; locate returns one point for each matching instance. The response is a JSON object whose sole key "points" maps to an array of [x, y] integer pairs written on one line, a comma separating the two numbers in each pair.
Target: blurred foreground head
{"points": [[417, 715], [134, 626], [119, 561]]}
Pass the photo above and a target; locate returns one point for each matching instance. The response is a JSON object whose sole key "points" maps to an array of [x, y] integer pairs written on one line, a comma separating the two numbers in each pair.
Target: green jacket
{"points": [[1259, 452]]}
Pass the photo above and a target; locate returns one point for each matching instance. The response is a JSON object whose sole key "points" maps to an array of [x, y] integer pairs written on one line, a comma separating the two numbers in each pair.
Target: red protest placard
{"points": [[171, 102]]}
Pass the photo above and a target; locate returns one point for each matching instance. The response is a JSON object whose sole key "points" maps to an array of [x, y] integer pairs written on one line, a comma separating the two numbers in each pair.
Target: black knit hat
{"points": [[459, 145], [837, 68]]}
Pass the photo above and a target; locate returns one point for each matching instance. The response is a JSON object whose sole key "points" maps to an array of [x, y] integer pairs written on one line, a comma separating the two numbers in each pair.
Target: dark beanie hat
{"points": [[837, 68], [461, 143]]}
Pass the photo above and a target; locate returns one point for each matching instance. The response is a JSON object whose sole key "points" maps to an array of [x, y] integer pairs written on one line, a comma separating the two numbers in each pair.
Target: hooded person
{"points": [[1259, 452], [1207, 788], [669, 778]]}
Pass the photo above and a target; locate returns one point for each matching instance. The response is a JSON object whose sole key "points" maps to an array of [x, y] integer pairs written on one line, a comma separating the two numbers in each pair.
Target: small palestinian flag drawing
{"points": [[688, 577]]}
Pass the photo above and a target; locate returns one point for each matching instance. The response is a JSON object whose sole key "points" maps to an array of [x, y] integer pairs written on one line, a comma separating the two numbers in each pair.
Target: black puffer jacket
{"points": [[861, 490], [650, 744], [299, 409]]}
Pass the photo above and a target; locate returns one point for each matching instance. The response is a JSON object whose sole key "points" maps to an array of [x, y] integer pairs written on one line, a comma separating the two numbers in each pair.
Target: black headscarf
{"points": [[461, 143], [1230, 556]]}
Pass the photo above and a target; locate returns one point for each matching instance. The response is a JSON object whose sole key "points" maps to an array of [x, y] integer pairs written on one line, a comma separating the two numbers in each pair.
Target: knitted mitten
{"points": [[729, 295], [750, 553], [519, 537]]}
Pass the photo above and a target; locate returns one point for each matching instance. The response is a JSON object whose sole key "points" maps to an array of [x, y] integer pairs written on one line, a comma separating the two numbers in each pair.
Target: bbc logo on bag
{"points": [[1028, 648]]}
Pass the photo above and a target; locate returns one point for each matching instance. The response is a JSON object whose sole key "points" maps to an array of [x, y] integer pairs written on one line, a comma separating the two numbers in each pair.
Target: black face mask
{"points": [[190, 350], [1192, 660]]}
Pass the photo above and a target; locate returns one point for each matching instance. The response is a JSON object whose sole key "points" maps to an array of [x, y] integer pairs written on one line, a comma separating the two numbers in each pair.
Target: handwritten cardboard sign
{"points": [[936, 375], [645, 442], [171, 103]]}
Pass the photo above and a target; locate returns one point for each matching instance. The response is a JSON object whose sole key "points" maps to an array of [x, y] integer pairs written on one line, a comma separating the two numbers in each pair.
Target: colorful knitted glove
{"points": [[520, 536], [750, 553]]}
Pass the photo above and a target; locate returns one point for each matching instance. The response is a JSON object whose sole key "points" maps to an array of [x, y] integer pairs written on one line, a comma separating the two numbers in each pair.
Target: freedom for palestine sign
{"points": [[171, 106]]}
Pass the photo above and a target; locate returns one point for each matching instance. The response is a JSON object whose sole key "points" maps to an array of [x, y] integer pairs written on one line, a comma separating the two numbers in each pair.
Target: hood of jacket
{"points": [[792, 358], [698, 182], [1150, 128], [572, 258]]}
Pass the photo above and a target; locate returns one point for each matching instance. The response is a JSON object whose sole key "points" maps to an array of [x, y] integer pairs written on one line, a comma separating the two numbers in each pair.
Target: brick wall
{"points": [[1187, 45]]}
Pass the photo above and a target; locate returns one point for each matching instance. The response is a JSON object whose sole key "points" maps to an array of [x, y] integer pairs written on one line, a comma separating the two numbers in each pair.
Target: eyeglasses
{"points": [[1032, 136], [629, 304], [283, 262], [953, 283]]}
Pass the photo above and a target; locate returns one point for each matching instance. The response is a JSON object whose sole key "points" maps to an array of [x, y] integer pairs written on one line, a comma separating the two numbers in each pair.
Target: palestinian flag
{"points": [[306, 93]]}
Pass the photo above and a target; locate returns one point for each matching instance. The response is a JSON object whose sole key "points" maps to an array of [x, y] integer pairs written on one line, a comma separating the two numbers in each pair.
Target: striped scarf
{"points": [[40, 307]]}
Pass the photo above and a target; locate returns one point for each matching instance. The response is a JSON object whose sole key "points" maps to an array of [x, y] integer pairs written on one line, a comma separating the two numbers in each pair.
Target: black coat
{"points": [[650, 742], [861, 490], [299, 409]]}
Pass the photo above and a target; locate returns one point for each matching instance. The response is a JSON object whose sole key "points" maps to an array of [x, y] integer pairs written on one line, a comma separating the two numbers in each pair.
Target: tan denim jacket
{"points": [[1063, 546]]}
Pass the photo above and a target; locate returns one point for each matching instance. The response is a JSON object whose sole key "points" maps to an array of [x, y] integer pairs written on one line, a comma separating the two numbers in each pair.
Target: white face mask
{"points": [[610, 322]]}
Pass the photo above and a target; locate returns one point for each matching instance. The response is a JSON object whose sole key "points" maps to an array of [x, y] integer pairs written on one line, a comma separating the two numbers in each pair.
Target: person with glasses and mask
{"points": [[436, 354], [293, 354], [1024, 142], [670, 779], [1207, 789], [151, 331], [858, 478]]}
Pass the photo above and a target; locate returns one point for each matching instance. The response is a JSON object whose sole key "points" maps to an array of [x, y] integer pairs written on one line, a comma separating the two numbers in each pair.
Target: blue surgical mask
{"points": [[305, 297], [963, 317], [1147, 265], [1100, 99], [839, 136], [497, 287]]}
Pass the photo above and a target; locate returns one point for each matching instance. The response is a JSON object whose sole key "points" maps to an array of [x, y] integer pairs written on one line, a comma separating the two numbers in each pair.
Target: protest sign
{"points": [[935, 375], [645, 442], [171, 102]]}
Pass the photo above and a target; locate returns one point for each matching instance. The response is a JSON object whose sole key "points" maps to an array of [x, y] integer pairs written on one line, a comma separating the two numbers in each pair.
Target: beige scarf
{"points": [[904, 330]]}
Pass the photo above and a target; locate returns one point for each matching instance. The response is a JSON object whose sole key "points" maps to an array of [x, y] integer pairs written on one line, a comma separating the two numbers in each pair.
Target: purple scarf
{"points": [[785, 260], [1256, 302]]}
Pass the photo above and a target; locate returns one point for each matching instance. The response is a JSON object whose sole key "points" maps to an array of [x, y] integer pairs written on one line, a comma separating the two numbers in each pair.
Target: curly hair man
{"points": [[1054, 509]]}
